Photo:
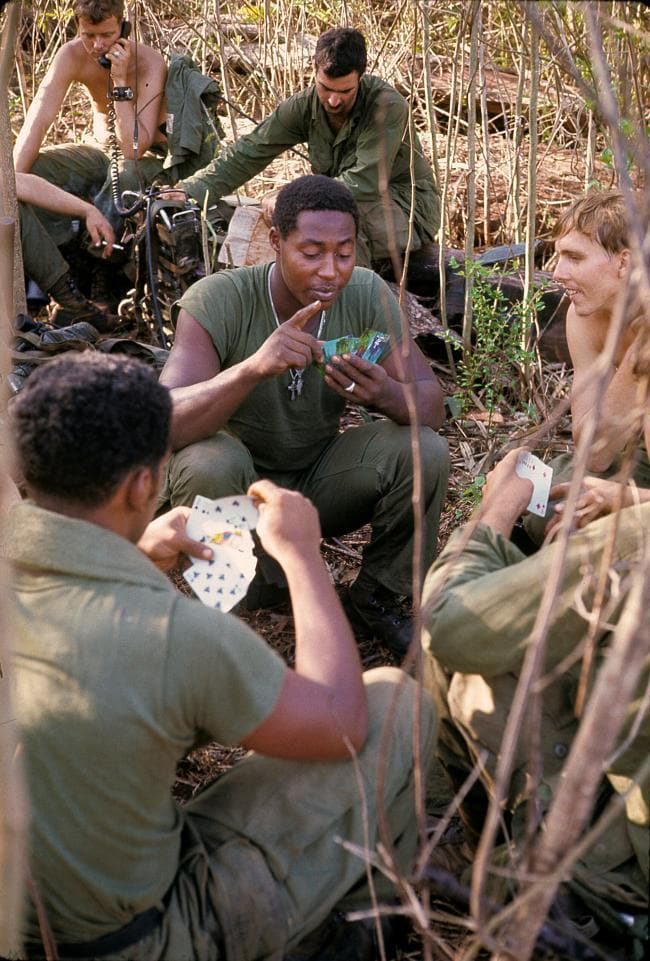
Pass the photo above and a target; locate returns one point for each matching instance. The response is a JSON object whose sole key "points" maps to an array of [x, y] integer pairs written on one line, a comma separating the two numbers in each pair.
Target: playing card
{"points": [[338, 347], [223, 581], [541, 475], [240, 511], [219, 584], [225, 560], [211, 517], [224, 525], [244, 561], [370, 344], [376, 347]]}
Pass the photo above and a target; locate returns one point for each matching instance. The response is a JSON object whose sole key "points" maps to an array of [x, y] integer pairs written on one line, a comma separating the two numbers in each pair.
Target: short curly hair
{"points": [[311, 192], [341, 51], [82, 422]]}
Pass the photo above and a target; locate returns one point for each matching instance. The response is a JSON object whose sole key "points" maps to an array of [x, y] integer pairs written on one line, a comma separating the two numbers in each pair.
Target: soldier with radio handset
{"points": [[105, 61], [128, 119]]}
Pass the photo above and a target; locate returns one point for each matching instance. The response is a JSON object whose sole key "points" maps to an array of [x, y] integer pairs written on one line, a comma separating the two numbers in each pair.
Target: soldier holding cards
{"points": [[482, 597], [481, 600], [250, 400], [117, 676]]}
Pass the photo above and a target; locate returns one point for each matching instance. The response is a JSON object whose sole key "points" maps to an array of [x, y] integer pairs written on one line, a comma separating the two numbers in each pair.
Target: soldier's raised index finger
{"points": [[301, 316]]}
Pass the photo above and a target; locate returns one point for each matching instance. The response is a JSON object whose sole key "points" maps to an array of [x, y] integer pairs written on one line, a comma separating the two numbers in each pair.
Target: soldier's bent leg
{"points": [[77, 169], [42, 259], [385, 231], [216, 467], [366, 476], [132, 175], [294, 814]]}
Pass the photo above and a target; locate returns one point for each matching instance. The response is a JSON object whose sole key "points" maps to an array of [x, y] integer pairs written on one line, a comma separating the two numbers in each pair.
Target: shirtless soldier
{"points": [[592, 242], [134, 87]]}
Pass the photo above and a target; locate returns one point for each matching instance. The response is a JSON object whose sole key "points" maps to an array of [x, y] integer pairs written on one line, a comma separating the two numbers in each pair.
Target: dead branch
{"points": [[604, 718], [13, 808]]}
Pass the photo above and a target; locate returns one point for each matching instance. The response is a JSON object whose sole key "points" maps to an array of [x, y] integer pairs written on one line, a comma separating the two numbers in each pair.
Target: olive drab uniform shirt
{"points": [[480, 603], [375, 138], [115, 677]]}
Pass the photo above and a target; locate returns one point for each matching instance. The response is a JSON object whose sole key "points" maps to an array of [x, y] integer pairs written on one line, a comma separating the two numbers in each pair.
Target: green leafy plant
{"points": [[501, 343], [471, 494], [468, 499], [607, 154]]}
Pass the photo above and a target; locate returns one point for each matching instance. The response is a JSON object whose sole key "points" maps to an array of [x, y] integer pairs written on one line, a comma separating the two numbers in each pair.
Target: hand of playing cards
{"points": [[224, 525], [534, 469], [371, 345]]}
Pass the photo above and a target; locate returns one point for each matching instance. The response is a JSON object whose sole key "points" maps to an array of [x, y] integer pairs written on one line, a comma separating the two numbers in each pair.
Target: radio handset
{"points": [[125, 30]]}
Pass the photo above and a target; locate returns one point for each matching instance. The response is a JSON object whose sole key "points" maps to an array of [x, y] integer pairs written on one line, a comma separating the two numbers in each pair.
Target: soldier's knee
{"points": [[434, 454], [393, 693], [211, 469], [434, 448]]}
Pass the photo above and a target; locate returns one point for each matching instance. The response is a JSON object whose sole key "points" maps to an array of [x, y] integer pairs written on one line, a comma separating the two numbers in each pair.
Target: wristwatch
{"points": [[121, 93]]}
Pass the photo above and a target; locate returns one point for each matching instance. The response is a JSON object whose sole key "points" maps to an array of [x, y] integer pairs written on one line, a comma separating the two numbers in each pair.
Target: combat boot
{"points": [[104, 288], [71, 306], [375, 611]]}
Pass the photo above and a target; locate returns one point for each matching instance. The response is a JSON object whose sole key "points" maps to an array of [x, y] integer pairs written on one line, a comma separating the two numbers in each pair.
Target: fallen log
{"points": [[424, 281]]}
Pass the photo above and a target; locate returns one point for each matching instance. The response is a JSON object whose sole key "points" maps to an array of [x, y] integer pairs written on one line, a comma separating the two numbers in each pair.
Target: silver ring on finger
{"points": [[350, 388]]}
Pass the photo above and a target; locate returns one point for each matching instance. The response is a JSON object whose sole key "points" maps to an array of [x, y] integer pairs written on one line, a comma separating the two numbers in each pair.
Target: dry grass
{"points": [[261, 55]]}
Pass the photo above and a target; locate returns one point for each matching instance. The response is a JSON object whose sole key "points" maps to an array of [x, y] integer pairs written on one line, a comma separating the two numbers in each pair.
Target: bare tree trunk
{"points": [[531, 202], [452, 138], [13, 811], [13, 805], [471, 170], [517, 141], [8, 202]]}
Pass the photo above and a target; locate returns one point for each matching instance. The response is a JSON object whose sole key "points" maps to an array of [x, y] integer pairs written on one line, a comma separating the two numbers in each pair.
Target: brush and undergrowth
{"points": [[512, 110]]}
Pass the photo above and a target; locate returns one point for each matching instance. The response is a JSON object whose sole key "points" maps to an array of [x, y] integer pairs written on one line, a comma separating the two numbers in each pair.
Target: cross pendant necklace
{"points": [[296, 375], [296, 380]]}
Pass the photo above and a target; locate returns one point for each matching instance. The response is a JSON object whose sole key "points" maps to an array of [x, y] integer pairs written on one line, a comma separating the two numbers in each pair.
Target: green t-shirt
{"points": [[234, 308], [115, 677]]}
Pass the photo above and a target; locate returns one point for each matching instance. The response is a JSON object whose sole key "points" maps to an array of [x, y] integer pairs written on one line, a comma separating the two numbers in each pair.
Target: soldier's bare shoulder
{"points": [[79, 65], [152, 67]]}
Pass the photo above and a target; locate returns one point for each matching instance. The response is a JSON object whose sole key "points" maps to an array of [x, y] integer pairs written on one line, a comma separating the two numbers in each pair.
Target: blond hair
{"points": [[602, 216]]}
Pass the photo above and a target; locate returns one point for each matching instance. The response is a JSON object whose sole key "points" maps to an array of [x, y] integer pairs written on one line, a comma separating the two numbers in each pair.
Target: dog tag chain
{"points": [[296, 375]]}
